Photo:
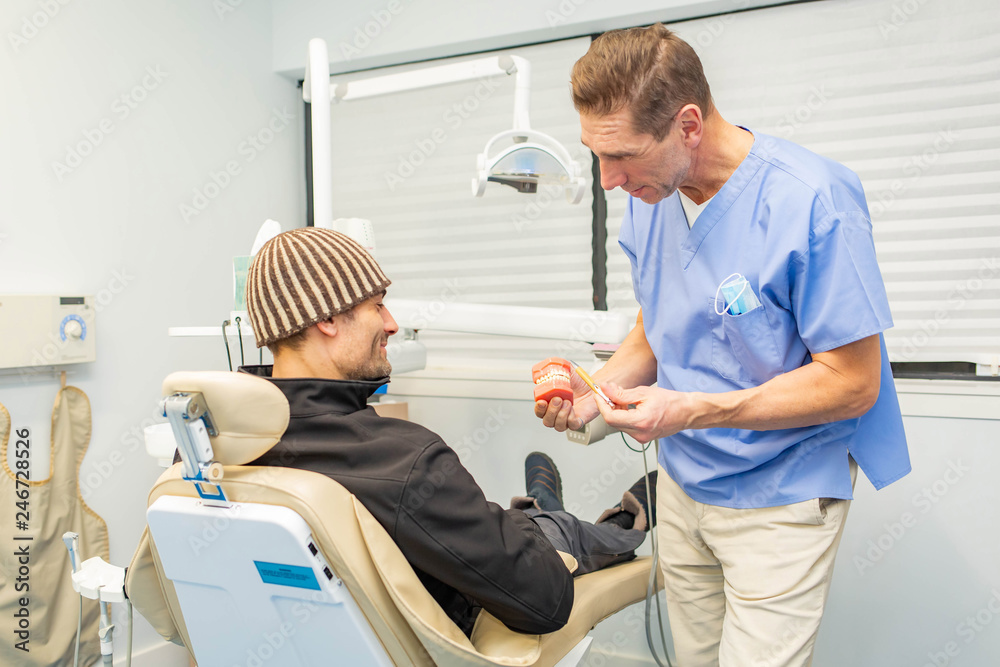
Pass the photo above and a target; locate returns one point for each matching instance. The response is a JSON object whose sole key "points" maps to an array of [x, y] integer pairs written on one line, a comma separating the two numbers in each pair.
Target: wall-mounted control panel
{"points": [[46, 330]]}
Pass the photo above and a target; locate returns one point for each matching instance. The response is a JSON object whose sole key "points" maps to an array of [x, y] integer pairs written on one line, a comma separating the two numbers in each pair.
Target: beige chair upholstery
{"points": [[410, 625]]}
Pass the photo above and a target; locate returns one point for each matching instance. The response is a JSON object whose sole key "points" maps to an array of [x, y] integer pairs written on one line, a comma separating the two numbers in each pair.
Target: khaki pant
{"points": [[746, 587]]}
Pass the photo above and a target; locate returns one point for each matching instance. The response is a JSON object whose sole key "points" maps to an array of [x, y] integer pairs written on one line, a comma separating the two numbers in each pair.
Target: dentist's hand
{"points": [[560, 414], [657, 413]]}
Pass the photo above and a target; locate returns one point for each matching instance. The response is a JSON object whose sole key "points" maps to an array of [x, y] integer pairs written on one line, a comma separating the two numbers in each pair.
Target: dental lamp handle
{"points": [[72, 542]]}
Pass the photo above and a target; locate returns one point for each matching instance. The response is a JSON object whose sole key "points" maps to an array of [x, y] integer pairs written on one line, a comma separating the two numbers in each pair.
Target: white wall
{"points": [[377, 33], [112, 226], [917, 580]]}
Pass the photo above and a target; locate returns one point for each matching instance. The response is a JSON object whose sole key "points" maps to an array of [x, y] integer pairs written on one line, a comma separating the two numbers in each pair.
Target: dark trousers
{"points": [[593, 545]]}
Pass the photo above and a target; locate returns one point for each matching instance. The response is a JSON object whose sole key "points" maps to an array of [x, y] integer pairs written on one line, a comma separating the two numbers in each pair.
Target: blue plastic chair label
{"points": [[287, 575]]}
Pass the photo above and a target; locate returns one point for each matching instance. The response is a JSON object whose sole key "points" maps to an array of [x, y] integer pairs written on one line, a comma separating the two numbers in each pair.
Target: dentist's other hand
{"points": [[657, 412]]}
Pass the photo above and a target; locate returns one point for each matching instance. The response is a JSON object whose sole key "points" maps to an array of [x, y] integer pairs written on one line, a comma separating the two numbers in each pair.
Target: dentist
{"points": [[762, 312]]}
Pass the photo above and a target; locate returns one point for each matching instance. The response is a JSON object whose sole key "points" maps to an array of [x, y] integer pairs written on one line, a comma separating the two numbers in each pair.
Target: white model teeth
{"points": [[552, 375]]}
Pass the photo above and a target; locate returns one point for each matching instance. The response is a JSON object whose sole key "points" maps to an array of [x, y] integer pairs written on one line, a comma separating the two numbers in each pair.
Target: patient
{"points": [[314, 297]]}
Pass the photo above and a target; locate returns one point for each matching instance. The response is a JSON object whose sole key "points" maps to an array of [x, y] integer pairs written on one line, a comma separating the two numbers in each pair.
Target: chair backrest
{"points": [[255, 587]]}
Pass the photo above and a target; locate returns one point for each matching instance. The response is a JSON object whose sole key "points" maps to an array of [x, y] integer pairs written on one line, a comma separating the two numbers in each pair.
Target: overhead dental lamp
{"points": [[526, 158], [521, 158], [533, 159]]}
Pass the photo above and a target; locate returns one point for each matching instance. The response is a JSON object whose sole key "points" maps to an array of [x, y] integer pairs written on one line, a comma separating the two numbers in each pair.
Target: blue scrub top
{"points": [[796, 225]]}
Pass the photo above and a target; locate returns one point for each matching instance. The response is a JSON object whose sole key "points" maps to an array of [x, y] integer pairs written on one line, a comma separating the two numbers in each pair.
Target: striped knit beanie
{"points": [[307, 275]]}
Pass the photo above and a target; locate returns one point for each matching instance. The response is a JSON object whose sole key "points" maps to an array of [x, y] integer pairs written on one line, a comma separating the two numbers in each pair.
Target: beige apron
{"points": [[54, 506]]}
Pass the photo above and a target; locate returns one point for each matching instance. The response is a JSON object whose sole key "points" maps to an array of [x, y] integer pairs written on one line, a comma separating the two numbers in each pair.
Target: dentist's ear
{"points": [[691, 123]]}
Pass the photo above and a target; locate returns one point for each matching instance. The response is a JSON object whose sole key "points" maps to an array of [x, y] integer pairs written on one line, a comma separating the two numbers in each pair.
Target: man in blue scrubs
{"points": [[762, 308]]}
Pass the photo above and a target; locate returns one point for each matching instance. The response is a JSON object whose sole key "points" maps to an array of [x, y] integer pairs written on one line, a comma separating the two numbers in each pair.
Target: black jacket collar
{"points": [[314, 396]]}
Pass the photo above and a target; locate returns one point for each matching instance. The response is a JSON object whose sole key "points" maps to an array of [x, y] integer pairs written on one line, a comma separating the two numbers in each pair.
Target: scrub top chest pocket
{"points": [[743, 347]]}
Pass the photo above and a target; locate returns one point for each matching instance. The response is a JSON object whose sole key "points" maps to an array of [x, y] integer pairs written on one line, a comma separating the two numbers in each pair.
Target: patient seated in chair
{"points": [[314, 297]]}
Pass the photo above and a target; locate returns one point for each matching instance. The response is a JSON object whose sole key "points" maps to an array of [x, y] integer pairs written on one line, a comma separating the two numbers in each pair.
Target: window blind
{"points": [[907, 94], [405, 161]]}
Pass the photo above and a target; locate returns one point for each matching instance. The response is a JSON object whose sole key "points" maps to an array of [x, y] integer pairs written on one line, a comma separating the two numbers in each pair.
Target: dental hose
{"points": [[79, 626], [239, 334], [128, 640], [72, 542], [651, 592], [229, 357]]}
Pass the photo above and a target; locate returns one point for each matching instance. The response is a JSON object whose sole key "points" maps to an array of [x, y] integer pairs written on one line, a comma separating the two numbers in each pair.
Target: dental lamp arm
{"points": [[469, 70], [316, 91], [522, 88]]}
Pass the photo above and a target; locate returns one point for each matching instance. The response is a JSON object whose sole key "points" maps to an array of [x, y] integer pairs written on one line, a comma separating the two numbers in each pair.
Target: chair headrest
{"points": [[250, 413]]}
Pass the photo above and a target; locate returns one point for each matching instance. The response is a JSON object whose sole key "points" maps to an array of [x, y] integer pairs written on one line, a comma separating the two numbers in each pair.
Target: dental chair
{"points": [[254, 566]]}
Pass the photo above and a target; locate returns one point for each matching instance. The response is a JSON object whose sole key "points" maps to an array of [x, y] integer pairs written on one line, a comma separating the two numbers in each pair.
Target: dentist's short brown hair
{"points": [[649, 71]]}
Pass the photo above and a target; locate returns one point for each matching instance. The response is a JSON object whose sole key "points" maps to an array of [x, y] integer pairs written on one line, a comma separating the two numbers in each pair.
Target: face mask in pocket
{"points": [[738, 297]]}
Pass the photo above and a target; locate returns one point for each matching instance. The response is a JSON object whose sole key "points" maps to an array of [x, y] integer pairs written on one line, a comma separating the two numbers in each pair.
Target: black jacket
{"points": [[467, 551]]}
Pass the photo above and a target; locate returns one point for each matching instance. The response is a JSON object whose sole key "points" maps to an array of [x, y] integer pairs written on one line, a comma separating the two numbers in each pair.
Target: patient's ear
{"points": [[328, 327]]}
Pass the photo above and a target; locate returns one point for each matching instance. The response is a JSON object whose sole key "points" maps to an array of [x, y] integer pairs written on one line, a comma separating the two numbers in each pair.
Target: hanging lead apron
{"points": [[38, 606]]}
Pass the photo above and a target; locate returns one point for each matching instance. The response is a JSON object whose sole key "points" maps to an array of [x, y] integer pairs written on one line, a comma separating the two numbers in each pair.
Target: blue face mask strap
{"points": [[733, 300]]}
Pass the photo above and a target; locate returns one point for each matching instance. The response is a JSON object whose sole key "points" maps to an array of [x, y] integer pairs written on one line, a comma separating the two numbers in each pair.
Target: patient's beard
{"points": [[375, 367]]}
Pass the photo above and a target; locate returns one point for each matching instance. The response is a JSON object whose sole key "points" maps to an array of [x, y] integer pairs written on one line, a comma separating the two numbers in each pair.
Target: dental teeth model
{"points": [[551, 379]]}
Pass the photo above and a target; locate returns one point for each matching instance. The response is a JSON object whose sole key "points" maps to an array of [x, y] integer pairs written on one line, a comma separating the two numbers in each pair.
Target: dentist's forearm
{"points": [[633, 363], [839, 384]]}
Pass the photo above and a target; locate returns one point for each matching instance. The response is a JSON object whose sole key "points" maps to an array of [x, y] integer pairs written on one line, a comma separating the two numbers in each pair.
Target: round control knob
{"points": [[73, 329]]}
